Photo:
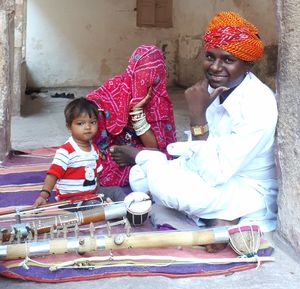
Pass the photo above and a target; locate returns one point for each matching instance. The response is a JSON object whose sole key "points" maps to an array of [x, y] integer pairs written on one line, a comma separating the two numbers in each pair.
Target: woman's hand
{"points": [[141, 104]]}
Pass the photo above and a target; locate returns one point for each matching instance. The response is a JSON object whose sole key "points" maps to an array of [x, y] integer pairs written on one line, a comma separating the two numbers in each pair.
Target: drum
{"points": [[245, 239], [138, 206]]}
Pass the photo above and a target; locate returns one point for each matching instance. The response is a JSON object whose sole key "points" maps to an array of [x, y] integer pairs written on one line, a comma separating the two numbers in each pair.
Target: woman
{"points": [[135, 110], [227, 173]]}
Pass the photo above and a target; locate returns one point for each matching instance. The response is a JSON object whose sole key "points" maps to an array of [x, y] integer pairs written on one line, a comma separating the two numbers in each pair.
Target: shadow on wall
{"points": [[266, 68]]}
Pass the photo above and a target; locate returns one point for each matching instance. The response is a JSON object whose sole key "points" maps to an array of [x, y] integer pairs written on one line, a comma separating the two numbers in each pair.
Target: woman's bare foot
{"points": [[123, 155], [214, 248]]}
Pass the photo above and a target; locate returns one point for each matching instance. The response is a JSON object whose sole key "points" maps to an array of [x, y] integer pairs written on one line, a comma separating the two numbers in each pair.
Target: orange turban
{"points": [[234, 34]]}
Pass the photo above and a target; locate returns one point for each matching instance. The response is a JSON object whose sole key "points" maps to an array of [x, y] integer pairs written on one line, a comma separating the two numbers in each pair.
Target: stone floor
{"points": [[42, 125], [42, 121]]}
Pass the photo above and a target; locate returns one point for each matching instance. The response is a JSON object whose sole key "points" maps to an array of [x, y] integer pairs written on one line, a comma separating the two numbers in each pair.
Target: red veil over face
{"points": [[146, 68]]}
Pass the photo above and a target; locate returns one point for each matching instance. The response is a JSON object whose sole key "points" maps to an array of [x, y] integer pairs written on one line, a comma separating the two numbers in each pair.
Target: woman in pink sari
{"points": [[135, 110]]}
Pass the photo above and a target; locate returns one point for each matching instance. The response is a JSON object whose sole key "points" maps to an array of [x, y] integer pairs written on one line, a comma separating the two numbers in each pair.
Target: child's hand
{"points": [[40, 201]]}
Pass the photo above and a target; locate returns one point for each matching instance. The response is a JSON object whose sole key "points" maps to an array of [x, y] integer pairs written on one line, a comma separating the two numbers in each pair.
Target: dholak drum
{"points": [[138, 206]]}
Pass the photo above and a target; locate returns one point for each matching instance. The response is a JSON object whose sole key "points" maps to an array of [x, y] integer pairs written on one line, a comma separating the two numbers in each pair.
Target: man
{"points": [[226, 175]]}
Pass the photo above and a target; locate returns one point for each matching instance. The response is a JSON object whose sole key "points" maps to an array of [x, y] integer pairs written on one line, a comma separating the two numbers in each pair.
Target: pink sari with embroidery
{"points": [[118, 95]]}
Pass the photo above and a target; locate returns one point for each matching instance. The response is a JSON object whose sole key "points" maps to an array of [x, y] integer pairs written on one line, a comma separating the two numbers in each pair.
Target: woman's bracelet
{"points": [[139, 121], [143, 129]]}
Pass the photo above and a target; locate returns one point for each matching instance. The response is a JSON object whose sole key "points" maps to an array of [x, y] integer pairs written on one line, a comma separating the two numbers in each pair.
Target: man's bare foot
{"points": [[123, 155], [214, 248]]}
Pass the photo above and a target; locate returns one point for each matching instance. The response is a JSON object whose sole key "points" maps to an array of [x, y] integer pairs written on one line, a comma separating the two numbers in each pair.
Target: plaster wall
{"points": [[6, 65], [83, 43], [19, 81], [288, 124]]}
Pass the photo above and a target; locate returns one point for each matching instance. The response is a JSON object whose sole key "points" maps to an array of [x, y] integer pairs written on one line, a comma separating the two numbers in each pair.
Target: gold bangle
{"points": [[198, 130]]}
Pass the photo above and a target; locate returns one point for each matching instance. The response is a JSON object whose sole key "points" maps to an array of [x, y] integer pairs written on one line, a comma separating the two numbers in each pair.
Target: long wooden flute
{"points": [[120, 241], [40, 226]]}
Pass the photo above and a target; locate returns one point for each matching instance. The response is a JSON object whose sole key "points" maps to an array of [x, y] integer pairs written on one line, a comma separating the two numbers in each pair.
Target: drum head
{"points": [[138, 205]]}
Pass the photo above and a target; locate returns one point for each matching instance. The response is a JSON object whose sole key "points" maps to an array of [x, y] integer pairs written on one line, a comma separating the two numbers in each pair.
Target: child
{"points": [[77, 163]]}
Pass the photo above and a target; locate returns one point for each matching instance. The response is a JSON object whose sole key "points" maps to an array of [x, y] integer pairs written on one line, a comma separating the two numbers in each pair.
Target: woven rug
{"points": [[21, 178]]}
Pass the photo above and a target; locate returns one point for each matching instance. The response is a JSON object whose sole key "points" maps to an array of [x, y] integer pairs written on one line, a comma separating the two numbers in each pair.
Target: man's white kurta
{"points": [[230, 175]]}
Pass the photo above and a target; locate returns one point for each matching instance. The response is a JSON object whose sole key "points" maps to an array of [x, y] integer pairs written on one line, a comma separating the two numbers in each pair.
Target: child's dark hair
{"points": [[78, 106]]}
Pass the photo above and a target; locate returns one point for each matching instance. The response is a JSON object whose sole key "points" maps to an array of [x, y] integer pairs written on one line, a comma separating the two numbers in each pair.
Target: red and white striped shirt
{"points": [[75, 169]]}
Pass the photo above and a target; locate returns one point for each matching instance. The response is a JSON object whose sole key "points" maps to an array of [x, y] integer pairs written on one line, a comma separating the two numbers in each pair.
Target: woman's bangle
{"points": [[143, 129], [139, 121]]}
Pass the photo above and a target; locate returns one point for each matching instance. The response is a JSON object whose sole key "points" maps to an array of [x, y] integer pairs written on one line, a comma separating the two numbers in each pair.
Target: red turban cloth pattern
{"points": [[234, 34]]}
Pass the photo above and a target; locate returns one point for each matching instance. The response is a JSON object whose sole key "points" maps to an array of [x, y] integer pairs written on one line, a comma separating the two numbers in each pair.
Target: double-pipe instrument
{"points": [[44, 225], [249, 235], [135, 206]]}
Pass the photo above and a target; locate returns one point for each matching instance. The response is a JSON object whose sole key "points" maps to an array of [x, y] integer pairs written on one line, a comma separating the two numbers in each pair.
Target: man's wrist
{"points": [[199, 130], [197, 119]]}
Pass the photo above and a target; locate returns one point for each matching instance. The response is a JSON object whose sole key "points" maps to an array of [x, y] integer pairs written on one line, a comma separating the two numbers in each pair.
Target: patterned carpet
{"points": [[21, 178]]}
